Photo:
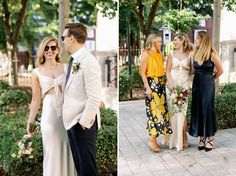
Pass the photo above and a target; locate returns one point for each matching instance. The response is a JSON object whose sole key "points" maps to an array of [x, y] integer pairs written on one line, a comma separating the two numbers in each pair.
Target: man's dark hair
{"points": [[78, 30]]}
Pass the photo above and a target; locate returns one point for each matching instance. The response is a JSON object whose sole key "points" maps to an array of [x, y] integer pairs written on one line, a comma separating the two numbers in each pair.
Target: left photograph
{"points": [[58, 87]]}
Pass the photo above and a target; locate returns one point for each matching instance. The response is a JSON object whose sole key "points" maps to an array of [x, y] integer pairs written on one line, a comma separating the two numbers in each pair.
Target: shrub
{"points": [[11, 131], [225, 110], [228, 88], [125, 83], [107, 143], [129, 82], [13, 101], [12, 128], [4, 86]]}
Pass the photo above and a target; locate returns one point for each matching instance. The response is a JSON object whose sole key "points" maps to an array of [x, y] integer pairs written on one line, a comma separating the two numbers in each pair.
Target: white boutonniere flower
{"points": [[75, 67]]}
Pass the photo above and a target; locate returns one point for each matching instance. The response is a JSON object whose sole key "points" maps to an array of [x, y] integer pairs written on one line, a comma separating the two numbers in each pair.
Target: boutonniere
{"points": [[75, 68]]}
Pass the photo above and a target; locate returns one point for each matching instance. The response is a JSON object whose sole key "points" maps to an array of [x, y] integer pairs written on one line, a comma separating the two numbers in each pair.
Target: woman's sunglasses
{"points": [[53, 48]]}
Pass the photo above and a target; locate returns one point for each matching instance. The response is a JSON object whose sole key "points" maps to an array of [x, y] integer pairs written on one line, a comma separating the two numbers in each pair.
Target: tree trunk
{"points": [[145, 28], [64, 12], [216, 33], [14, 65], [12, 35], [180, 5]]}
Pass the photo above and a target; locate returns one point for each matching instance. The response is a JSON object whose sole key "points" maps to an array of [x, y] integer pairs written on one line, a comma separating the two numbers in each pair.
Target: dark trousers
{"points": [[83, 146]]}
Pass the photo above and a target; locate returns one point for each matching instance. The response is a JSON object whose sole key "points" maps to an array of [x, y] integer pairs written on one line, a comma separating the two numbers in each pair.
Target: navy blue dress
{"points": [[203, 118]]}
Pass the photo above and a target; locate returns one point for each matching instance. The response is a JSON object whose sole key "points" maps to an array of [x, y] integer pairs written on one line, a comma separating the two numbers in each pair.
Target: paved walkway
{"points": [[136, 159]]}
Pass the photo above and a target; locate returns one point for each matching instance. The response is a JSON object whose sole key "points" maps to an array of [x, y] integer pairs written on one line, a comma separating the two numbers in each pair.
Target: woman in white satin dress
{"points": [[178, 68], [47, 80]]}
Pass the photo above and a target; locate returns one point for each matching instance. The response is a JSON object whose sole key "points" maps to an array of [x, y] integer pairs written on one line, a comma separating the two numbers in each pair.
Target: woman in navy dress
{"points": [[207, 67]]}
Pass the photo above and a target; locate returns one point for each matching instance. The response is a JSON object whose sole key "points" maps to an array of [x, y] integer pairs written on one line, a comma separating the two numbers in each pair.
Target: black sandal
{"points": [[207, 149], [201, 145]]}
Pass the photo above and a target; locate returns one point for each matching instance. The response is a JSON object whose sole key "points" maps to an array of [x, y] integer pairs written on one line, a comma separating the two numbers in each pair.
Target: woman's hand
{"points": [[170, 86], [30, 128], [101, 105], [149, 93]]}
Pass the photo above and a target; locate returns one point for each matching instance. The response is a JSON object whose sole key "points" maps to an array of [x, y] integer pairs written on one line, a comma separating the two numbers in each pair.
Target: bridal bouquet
{"points": [[24, 148], [179, 97]]}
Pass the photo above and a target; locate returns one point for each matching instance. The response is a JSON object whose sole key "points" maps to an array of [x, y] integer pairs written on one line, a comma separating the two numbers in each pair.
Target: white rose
{"points": [[22, 146], [13, 155], [27, 152]]}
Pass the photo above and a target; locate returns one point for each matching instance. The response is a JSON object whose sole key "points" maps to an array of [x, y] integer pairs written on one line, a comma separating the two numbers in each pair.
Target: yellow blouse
{"points": [[155, 65]]}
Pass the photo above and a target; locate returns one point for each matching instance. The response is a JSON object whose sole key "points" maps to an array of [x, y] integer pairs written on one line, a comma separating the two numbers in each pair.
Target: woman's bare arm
{"points": [[35, 101], [218, 66], [143, 67]]}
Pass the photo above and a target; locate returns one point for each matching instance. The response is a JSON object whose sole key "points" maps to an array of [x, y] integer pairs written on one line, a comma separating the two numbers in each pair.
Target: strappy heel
{"points": [[201, 145], [210, 142], [154, 146]]}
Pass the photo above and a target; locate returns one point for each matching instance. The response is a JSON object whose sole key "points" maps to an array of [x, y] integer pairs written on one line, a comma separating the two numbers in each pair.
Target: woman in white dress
{"points": [[47, 80], [177, 73]]}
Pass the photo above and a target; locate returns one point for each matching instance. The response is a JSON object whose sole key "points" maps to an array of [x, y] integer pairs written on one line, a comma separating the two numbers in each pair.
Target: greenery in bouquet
{"points": [[179, 97], [25, 145], [28, 150]]}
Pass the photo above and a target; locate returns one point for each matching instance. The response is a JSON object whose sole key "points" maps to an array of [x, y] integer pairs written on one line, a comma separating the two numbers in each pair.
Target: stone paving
{"points": [[136, 159]]}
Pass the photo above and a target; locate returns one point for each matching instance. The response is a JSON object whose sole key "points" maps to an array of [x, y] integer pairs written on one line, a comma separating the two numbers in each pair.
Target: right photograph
{"points": [[177, 88]]}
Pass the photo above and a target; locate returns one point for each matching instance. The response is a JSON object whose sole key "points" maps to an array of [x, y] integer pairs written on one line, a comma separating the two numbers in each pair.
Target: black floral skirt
{"points": [[158, 118]]}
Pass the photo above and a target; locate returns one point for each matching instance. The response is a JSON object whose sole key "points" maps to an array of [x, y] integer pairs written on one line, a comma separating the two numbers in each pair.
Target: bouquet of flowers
{"points": [[179, 97], [24, 147]]}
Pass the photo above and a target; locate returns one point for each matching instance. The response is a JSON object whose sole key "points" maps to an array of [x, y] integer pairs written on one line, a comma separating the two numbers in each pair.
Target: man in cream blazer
{"points": [[82, 92]]}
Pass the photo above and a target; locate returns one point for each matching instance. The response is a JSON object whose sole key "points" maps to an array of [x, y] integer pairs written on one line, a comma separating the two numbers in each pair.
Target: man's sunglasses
{"points": [[53, 48], [63, 37]]}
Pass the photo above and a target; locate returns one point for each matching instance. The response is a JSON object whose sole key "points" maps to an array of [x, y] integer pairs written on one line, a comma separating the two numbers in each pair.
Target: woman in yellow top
{"points": [[152, 72]]}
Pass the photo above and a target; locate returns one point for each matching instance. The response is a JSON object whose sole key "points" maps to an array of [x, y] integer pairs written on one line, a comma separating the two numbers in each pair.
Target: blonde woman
{"points": [[178, 68], [203, 117], [47, 80], [152, 72]]}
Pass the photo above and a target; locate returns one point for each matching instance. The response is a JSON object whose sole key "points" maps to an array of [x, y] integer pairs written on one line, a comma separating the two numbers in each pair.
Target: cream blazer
{"points": [[82, 93]]}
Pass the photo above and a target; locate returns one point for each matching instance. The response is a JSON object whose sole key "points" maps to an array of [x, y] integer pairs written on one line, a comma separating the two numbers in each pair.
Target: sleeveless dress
{"points": [[179, 77], [158, 119], [203, 117], [57, 156]]}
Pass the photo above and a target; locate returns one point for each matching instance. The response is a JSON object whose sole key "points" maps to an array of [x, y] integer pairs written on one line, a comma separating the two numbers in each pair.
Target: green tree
{"points": [[229, 5], [86, 11], [41, 20], [27, 22], [124, 13], [146, 13], [3, 42], [181, 21], [13, 18]]}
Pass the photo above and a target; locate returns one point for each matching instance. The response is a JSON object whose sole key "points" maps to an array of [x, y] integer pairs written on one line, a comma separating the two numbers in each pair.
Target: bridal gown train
{"points": [[57, 156], [179, 76]]}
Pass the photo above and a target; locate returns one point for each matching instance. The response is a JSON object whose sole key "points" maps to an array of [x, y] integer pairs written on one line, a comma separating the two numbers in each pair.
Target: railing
{"points": [[23, 74], [108, 62], [134, 53], [107, 59]]}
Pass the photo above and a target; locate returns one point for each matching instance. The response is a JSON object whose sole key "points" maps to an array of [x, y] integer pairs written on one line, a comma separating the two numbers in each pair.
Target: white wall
{"points": [[228, 43], [107, 33], [227, 30]]}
